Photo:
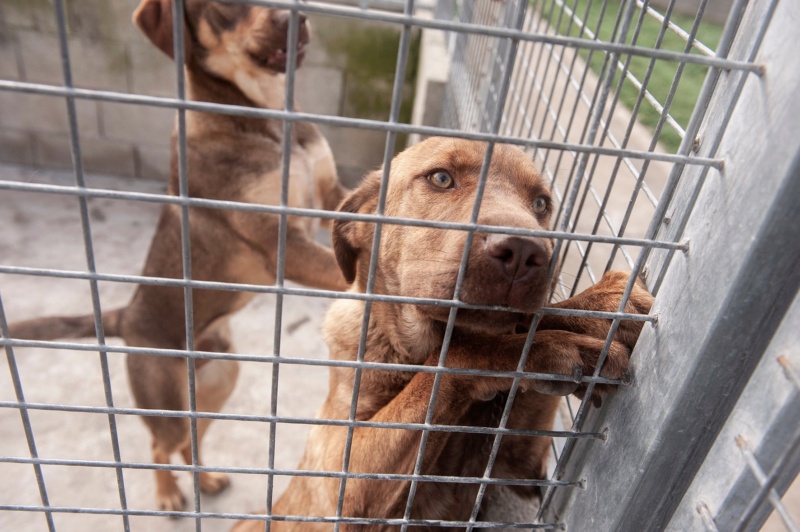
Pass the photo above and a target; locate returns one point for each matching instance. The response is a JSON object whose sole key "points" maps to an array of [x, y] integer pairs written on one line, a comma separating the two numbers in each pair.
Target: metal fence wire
{"points": [[702, 203]]}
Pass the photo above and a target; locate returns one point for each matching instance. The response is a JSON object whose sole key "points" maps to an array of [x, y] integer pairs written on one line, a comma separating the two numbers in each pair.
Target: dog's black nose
{"points": [[517, 256]]}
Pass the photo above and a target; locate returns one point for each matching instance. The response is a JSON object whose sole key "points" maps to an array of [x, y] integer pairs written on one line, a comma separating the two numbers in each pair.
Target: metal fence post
{"points": [[719, 304]]}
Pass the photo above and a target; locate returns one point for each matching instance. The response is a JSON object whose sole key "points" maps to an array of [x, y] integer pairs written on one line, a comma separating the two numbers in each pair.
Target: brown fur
{"points": [[424, 262], [234, 55]]}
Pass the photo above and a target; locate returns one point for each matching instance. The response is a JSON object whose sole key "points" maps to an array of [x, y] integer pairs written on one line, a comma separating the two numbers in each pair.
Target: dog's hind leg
{"points": [[168, 494], [215, 381], [160, 383]]}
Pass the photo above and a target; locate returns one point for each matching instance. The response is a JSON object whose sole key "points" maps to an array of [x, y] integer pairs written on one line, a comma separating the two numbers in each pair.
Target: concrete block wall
{"points": [[107, 52], [104, 47]]}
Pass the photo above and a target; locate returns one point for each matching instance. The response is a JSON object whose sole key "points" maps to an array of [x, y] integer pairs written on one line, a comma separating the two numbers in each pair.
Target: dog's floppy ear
{"points": [[154, 18], [349, 237]]}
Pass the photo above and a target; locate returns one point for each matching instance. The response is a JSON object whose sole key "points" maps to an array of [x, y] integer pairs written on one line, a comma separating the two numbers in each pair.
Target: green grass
{"points": [[663, 72]]}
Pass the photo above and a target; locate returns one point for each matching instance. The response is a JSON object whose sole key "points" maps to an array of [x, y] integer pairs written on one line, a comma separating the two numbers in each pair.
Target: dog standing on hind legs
{"points": [[234, 54], [506, 276]]}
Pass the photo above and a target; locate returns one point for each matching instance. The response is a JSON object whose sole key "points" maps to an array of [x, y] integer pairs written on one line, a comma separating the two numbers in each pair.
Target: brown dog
{"points": [[235, 54], [437, 179]]}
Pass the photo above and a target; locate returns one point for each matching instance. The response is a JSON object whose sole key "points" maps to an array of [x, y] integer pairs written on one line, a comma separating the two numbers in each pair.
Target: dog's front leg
{"points": [[553, 352], [394, 450], [307, 262], [604, 296], [311, 264]]}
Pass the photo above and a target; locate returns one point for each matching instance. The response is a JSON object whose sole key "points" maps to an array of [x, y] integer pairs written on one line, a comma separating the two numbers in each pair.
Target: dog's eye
{"points": [[540, 205], [441, 180]]}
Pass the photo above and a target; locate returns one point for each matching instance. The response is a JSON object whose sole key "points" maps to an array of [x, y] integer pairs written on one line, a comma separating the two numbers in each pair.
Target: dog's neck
{"points": [[249, 88], [412, 335], [266, 91]]}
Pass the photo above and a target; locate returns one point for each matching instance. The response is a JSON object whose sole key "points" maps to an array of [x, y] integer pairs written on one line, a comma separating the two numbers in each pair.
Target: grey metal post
{"points": [[719, 304]]}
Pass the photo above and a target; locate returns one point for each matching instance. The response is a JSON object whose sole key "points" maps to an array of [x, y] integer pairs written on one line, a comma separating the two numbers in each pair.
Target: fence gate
{"points": [[670, 156]]}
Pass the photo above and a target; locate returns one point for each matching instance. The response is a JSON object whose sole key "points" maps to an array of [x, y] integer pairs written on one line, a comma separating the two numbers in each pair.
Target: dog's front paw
{"points": [[605, 296], [608, 292], [213, 482], [576, 356], [615, 366]]}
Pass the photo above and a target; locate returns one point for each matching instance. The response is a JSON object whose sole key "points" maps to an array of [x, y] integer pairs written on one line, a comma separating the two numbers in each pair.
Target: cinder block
{"points": [[350, 176], [95, 64], [52, 151], [99, 155], [93, 18], [16, 147], [99, 64], [319, 90], [9, 66], [151, 72], [45, 114], [105, 156], [102, 20], [153, 162], [21, 14], [138, 124], [36, 15], [40, 56], [356, 151], [326, 36]]}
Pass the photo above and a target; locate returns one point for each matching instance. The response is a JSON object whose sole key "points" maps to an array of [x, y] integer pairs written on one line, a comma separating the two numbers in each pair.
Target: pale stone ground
{"points": [[44, 231]]}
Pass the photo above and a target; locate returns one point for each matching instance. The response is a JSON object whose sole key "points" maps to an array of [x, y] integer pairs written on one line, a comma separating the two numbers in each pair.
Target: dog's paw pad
{"points": [[212, 482]]}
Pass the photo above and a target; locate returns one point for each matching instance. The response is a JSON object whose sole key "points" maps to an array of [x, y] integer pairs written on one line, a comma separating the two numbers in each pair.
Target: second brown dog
{"points": [[437, 180], [235, 54]]}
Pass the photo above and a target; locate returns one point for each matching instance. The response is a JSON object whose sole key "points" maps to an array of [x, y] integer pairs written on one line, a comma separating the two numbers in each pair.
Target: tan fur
{"points": [[233, 56], [424, 262], [227, 58]]}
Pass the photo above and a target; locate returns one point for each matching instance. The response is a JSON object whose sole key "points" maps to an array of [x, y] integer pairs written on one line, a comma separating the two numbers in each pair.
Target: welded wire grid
{"points": [[535, 74], [565, 96]]}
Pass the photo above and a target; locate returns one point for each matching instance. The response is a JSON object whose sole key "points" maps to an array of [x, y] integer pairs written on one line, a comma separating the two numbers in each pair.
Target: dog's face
{"points": [[232, 41], [438, 180]]}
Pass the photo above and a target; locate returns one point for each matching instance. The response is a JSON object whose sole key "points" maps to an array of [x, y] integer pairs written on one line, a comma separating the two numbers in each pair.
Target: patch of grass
{"points": [[603, 21]]}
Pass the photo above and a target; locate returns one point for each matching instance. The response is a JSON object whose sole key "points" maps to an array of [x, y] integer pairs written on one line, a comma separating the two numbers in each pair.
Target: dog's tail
{"points": [[58, 327]]}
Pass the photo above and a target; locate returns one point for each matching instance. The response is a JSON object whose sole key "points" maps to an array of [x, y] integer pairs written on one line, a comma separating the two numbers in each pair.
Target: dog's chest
{"points": [[263, 185]]}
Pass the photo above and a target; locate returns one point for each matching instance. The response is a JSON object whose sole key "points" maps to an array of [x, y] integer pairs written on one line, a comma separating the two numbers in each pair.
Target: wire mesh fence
{"points": [[597, 93]]}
